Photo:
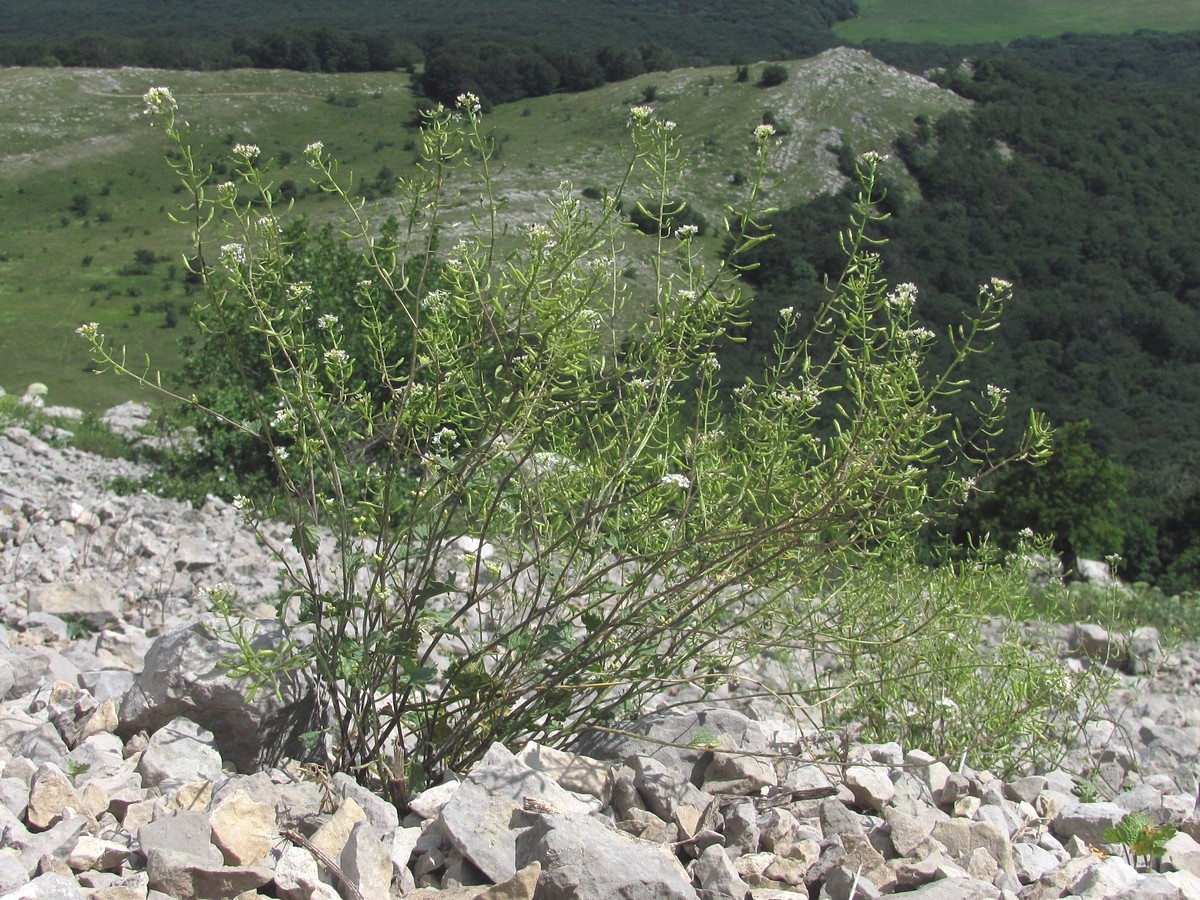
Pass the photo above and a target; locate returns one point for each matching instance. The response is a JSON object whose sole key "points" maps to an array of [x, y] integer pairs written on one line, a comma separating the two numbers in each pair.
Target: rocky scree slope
{"points": [[133, 767]]}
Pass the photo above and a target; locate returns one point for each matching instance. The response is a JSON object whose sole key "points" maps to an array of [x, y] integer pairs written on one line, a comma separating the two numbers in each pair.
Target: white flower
{"points": [[668, 125], [327, 321], [300, 291], [159, 100], [445, 436], [998, 286], [282, 416], [687, 296], [683, 232], [674, 479], [248, 152], [764, 132], [640, 113], [90, 331], [871, 158], [268, 225], [996, 394], [226, 190], [337, 358], [281, 453], [364, 286], [903, 296], [232, 255], [787, 313], [241, 502], [468, 103]]}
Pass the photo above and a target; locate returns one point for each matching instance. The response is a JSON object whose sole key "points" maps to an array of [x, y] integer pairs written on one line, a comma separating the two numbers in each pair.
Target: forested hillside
{"points": [[355, 35], [1073, 181]]}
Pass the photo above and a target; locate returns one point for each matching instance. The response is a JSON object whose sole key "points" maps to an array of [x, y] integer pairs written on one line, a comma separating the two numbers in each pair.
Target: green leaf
{"points": [[306, 539]]}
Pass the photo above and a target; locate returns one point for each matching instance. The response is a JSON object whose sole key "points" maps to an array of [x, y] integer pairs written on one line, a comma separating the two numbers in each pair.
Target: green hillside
{"points": [[1000, 21], [85, 186]]}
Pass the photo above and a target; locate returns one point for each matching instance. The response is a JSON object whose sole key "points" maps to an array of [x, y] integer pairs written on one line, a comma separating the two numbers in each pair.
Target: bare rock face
{"points": [[183, 676]]}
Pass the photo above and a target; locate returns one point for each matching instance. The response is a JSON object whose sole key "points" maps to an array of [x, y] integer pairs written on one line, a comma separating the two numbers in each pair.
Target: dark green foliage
{"points": [[1079, 194], [623, 38], [773, 75], [1077, 496]]}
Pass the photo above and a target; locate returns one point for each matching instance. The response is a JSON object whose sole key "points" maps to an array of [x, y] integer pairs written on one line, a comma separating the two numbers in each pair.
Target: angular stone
{"points": [[48, 887], [381, 814], [480, 818], [713, 872], [95, 854], [91, 601], [181, 877], [365, 860], [52, 798], [428, 804], [582, 859], [738, 773], [182, 833], [669, 795], [1087, 821], [1109, 876], [184, 675], [580, 774], [331, 837], [179, 752], [870, 785], [242, 829]]}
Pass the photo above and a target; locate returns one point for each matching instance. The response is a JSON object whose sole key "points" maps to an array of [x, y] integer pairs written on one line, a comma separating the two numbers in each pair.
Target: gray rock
{"points": [[674, 738], [955, 889], [485, 816], [184, 676], [576, 773], [1087, 821], [582, 859], [381, 814], [91, 601], [715, 876], [51, 886], [178, 752], [365, 860], [185, 833], [182, 877], [871, 786], [669, 795], [1109, 876]]}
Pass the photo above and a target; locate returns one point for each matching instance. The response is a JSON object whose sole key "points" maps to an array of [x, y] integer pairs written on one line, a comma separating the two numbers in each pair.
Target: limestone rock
{"points": [[183, 676], [583, 859], [242, 829]]}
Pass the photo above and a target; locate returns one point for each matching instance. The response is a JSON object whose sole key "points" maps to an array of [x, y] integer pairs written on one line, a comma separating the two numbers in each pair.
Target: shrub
{"points": [[508, 521], [773, 75]]}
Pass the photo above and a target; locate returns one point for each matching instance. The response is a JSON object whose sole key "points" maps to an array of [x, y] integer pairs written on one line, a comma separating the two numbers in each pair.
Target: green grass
{"points": [[72, 133], [1000, 21]]}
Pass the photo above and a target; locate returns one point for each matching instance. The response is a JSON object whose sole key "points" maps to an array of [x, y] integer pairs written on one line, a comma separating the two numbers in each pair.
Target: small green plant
{"points": [[508, 519], [1142, 837], [76, 768]]}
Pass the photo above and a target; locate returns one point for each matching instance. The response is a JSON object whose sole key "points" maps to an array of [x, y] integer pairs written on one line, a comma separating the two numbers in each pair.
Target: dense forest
{"points": [[1071, 179], [355, 35]]}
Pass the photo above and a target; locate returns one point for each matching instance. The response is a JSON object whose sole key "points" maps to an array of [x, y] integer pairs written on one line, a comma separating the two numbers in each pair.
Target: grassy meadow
{"points": [[85, 193], [1000, 21]]}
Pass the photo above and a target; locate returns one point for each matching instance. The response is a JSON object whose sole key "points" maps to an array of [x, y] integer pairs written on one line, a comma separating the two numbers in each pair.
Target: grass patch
{"points": [[1000, 21]]}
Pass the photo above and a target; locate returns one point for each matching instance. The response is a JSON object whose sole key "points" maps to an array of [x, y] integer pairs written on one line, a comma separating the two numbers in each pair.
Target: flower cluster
{"points": [[159, 100], [674, 479], [764, 132], [468, 103], [313, 152], [248, 152]]}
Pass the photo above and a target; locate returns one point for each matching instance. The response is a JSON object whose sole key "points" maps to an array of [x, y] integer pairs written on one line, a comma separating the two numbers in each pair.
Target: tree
{"points": [[1076, 497]]}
